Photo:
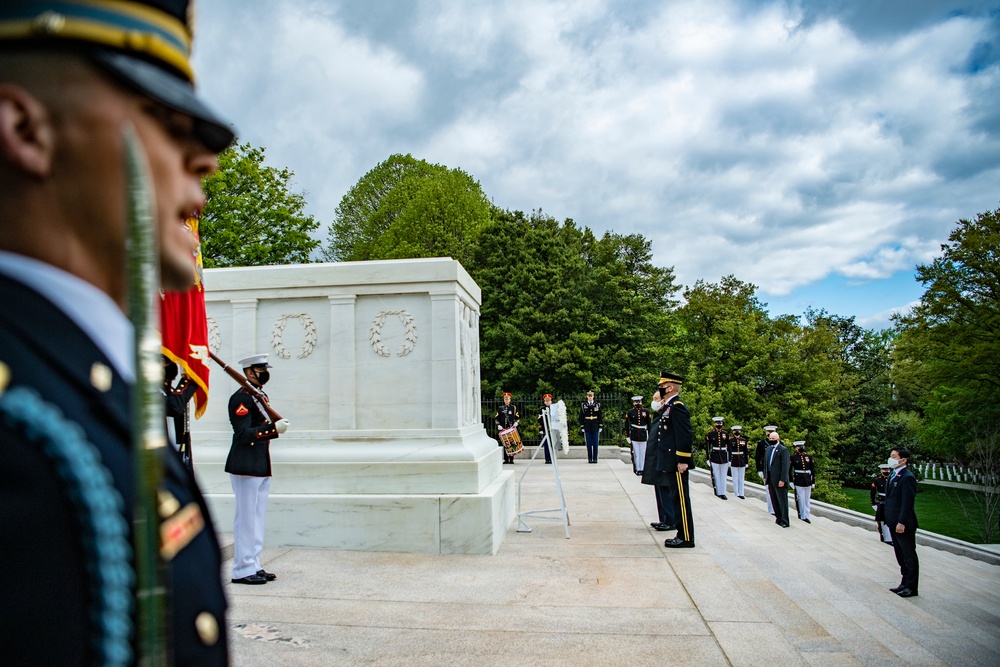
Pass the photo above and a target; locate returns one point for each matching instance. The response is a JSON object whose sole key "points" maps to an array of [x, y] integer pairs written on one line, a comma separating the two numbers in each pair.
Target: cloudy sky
{"points": [[818, 149]]}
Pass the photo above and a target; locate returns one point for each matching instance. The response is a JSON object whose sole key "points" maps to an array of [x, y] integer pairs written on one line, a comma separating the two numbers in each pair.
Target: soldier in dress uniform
{"points": [[717, 453], [637, 431], [546, 434], [739, 459], [659, 481], [590, 422], [176, 395], [249, 468], [73, 75], [803, 475], [505, 417], [759, 461], [674, 447], [878, 502]]}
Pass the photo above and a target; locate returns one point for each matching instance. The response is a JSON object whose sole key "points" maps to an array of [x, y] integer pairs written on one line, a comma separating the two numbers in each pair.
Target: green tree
{"points": [[251, 216], [406, 208], [947, 360]]}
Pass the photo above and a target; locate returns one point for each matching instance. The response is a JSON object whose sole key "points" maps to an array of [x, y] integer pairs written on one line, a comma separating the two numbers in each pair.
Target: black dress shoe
{"points": [[807, 520], [897, 588], [907, 593], [678, 543], [253, 580], [742, 497], [666, 526], [267, 575], [724, 497]]}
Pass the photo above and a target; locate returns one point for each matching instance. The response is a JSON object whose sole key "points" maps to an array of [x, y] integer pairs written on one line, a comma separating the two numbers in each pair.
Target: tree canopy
{"points": [[251, 216]]}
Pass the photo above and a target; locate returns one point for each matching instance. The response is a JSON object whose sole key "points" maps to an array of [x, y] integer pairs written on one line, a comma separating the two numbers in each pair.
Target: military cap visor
{"points": [[144, 45], [670, 378]]}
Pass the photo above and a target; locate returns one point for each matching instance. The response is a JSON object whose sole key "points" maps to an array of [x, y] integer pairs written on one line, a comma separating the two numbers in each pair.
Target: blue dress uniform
{"points": [[590, 420], [739, 459], [717, 454], [45, 350], [803, 474], [674, 447], [637, 428]]}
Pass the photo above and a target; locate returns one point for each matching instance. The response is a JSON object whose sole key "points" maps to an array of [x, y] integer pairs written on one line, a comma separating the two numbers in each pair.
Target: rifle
{"points": [[243, 382], [147, 413]]}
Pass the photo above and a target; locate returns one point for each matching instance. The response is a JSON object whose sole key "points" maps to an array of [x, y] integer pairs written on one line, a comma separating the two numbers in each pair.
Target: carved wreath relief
{"points": [[409, 337], [279, 329]]}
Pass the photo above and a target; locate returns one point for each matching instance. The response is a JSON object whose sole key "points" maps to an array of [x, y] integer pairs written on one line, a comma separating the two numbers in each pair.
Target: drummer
{"points": [[506, 416]]}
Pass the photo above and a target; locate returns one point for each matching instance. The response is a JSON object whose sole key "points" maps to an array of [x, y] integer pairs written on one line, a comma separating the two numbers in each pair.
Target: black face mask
{"points": [[169, 372], [262, 377]]}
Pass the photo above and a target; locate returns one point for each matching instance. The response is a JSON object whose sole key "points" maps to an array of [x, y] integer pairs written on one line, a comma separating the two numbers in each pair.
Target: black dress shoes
{"points": [[678, 543], [724, 497], [665, 526], [897, 588], [742, 497], [807, 520], [267, 575], [907, 593], [253, 580]]}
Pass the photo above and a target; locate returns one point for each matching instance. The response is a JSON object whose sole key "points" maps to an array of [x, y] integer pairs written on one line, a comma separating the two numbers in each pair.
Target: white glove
{"points": [[761, 474], [282, 425], [874, 507], [600, 430]]}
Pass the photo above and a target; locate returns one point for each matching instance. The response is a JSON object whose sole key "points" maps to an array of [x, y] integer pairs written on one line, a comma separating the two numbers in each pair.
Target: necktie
{"points": [[774, 448]]}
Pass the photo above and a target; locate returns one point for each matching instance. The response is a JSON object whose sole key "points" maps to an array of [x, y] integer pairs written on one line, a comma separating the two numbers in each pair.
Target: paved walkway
{"points": [[750, 593]]}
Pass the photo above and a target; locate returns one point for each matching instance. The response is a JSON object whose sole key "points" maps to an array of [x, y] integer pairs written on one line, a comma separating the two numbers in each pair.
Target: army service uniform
{"points": [[674, 447], [590, 420]]}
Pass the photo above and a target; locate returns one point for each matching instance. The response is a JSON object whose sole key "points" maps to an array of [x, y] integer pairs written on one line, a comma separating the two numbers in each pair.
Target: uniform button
{"points": [[207, 627]]}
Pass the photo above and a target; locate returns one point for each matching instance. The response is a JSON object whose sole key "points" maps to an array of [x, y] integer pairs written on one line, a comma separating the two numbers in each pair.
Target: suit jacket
{"points": [[46, 351], [249, 454], [776, 468], [900, 494]]}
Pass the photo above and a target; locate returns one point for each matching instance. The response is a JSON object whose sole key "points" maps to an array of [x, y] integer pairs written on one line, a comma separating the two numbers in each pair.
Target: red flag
{"points": [[184, 330]]}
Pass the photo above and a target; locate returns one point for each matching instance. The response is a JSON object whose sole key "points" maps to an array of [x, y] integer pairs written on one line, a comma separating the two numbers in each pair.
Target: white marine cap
{"points": [[799, 443], [718, 419], [254, 360], [770, 428], [736, 428], [636, 398]]}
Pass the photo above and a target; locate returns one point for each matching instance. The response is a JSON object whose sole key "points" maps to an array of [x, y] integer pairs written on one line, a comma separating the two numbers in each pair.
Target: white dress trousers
{"points": [[739, 475], [248, 523], [639, 452], [802, 495], [720, 477]]}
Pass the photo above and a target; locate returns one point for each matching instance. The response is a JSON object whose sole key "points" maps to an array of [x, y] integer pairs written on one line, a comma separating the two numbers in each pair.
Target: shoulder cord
{"points": [[98, 511]]}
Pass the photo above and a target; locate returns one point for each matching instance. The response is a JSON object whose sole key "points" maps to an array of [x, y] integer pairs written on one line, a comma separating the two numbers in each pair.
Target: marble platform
{"points": [[376, 365]]}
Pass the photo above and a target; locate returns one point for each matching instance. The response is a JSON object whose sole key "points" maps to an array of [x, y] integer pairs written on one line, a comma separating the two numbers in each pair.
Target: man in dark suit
{"points": [[776, 463], [673, 458], [901, 517], [73, 76]]}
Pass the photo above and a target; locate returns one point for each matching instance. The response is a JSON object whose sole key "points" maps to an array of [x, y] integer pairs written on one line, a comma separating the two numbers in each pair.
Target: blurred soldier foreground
{"points": [[73, 76]]}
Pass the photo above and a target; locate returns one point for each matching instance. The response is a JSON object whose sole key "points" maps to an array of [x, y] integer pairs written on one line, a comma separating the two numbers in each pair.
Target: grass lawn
{"points": [[939, 510]]}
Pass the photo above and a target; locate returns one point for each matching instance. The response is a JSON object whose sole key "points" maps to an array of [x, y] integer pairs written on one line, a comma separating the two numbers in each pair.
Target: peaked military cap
{"points": [[636, 398], [145, 45], [770, 428], [254, 360], [799, 443], [737, 428], [671, 378], [718, 419], [544, 396]]}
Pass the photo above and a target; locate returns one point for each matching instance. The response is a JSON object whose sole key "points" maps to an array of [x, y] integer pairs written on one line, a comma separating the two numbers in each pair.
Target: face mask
{"points": [[893, 463], [169, 372], [263, 377], [656, 406]]}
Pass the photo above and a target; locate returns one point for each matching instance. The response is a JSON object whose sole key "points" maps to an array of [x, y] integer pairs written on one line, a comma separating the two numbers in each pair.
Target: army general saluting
{"points": [[73, 76], [673, 449]]}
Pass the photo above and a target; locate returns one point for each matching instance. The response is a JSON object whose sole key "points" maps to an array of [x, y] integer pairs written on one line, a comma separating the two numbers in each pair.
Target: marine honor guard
{"points": [[803, 477], [505, 417], [637, 429], [590, 421], [717, 453], [249, 468], [739, 459], [878, 502]]}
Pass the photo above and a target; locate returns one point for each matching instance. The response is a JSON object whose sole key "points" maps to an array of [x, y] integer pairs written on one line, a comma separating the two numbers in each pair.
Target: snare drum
{"points": [[511, 441]]}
